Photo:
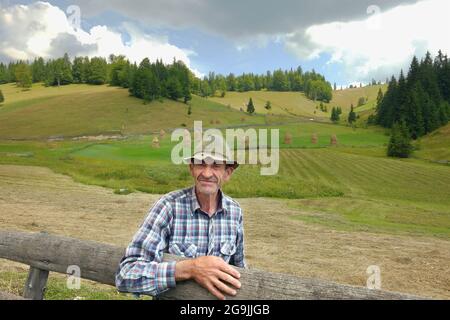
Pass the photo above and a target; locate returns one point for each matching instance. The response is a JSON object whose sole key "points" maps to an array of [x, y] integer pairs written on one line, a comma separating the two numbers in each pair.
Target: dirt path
{"points": [[35, 199]]}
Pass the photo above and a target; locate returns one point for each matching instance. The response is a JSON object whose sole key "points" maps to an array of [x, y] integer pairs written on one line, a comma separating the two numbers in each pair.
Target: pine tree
{"points": [[352, 116], [38, 70], [250, 107], [399, 108], [379, 99], [268, 105], [414, 112], [4, 74], [386, 108], [174, 89], [97, 71], [79, 70], [24, 78], [335, 116], [414, 73], [400, 142], [2, 97]]}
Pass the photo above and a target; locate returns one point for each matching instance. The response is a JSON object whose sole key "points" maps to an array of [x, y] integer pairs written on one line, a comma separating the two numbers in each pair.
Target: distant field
{"points": [[296, 103], [283, 103], [345, 98]]}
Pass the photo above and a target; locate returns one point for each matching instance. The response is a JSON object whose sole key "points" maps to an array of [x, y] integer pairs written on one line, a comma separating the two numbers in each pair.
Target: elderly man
{"points": [[200, 223]]}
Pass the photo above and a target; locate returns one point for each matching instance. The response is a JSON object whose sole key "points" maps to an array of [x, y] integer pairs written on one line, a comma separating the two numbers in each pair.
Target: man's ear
{"points": [[191, 170], [228, 173]]}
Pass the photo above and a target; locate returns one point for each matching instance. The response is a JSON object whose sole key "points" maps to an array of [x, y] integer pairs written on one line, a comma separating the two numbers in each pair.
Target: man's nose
{"points": [[207, 172]]}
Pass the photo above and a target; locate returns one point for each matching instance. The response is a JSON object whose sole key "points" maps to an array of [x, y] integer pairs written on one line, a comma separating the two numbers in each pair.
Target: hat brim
{"points": [[200, 157]]}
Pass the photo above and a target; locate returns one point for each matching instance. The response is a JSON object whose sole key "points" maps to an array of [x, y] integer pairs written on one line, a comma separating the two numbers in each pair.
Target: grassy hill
{"points": [[283, 103], [435, 146], [78, 110], [345, 98], [296, 103]]}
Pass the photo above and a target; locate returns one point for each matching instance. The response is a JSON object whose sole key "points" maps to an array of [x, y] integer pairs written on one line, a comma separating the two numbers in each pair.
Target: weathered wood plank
{"points": [[36, 284], [99, 262]]}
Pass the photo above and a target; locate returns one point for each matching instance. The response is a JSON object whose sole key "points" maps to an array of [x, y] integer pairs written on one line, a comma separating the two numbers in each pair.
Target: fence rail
{"points": [[98, 262]]}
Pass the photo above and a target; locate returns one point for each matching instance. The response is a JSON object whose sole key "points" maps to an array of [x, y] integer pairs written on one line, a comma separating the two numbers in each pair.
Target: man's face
{"points": [[209, 178]]}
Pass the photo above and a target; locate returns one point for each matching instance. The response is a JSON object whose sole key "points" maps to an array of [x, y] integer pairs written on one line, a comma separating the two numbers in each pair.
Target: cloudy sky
{"points": [[349, 41]]}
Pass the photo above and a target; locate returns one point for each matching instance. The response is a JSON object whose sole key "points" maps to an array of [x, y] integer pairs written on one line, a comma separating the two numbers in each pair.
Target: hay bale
{"points": [[155, 143], [288, 139], [334, 140], [314, 138]]}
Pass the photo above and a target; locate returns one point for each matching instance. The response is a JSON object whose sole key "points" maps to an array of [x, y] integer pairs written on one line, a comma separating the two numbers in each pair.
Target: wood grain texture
{"points": [[99, 262]]}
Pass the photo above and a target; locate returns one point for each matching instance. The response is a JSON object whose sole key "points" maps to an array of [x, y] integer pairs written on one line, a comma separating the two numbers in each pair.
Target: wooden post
{"points": [[36, 284]]}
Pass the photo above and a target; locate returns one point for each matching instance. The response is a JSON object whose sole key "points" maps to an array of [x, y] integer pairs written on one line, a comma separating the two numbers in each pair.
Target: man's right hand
{"points": [[212, 273]]}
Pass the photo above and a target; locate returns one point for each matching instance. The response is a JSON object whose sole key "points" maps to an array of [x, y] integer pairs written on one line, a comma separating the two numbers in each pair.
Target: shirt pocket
{"points": [[185, 249], [227, 250]]}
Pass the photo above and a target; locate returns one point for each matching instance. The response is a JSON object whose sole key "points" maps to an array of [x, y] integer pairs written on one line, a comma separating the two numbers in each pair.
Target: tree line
{"points": [[148, 81], [419, 102], [151, 81], [313, 84]]}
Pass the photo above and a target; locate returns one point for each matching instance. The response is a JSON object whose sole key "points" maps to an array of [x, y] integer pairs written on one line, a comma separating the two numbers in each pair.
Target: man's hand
{"points": [[212, 273]]}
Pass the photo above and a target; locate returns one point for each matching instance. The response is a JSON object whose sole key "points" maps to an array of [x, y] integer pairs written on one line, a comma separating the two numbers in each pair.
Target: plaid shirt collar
{"points": [[195, 205]]}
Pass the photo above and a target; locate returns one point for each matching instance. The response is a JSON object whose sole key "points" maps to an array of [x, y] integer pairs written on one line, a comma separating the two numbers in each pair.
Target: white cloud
{"points": [[40, 29], [379, 45]]}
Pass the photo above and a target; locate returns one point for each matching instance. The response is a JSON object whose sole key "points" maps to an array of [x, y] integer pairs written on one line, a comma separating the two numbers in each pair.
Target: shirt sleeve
{"points": [[239, 257], [141, 270]]}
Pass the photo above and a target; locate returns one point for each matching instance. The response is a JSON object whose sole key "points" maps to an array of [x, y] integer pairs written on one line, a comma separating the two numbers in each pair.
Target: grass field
{"points": [[414, 193], [380, 194], [351, 188], [36, 199], [79, 110], [295, 103], [133, 164]]}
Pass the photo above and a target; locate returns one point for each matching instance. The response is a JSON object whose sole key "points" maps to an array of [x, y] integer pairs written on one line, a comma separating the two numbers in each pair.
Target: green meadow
{"points": [[349, 186]]}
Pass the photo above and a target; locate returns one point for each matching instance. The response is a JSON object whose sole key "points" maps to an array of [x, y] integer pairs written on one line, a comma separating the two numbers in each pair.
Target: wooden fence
{"points": [[99, 262]]}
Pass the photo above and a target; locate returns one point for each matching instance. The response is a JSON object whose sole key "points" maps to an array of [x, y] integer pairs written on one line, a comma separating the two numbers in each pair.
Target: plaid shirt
{"points": [[177, 225]]}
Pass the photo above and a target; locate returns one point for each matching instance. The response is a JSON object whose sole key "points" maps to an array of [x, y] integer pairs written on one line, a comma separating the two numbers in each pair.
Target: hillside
{"points": [[345, 98], [435, 146], [283, 103], [295, 103], [78, 110]]}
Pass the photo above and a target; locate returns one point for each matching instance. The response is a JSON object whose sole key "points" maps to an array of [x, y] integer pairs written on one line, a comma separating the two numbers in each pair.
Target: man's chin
{"points": [[207, 190]]}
